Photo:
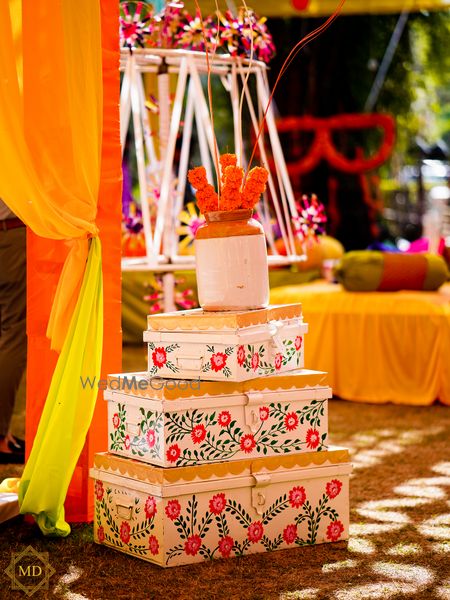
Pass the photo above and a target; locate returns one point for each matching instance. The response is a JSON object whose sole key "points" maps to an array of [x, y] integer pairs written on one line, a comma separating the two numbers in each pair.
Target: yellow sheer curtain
{"points": [[50, 148]]}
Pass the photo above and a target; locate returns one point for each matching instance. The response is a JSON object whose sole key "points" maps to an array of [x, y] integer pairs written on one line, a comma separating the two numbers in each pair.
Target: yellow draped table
{"points": [[377, 346]]}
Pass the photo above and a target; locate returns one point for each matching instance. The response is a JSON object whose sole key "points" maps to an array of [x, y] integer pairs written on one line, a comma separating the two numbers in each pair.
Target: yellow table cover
{"points": [[377, 346]]}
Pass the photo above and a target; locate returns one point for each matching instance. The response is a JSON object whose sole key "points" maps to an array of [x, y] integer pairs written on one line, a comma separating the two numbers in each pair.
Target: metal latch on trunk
{"points": [[251, 409], [276, 340], [262, 480]]}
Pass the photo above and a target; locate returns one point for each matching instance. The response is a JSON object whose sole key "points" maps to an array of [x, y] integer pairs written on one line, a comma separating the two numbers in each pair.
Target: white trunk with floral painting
{"points": [[189, 514], [226, 346], [170, 422]]}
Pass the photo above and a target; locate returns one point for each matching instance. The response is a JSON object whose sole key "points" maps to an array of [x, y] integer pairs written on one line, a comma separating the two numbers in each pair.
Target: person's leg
{"points": [[13, 344]]}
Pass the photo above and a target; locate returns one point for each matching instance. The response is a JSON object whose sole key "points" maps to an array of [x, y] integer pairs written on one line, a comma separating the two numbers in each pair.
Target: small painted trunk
{"points": [[226, 346], [190, 514], [171, 422]]}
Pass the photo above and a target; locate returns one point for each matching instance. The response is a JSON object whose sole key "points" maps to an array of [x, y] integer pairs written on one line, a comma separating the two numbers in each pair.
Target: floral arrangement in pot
{"points": [[230, 248]]}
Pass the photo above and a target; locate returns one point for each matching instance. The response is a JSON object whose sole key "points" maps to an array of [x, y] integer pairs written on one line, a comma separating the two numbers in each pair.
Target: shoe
{"points": [[12, 458], [17, 445]]}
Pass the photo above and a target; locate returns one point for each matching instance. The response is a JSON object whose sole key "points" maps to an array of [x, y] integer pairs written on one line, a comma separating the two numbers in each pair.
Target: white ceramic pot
{"points": [[231, 262]]}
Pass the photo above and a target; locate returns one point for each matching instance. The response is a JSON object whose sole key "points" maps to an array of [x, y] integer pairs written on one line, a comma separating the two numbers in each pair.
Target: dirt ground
{"points": [[399, 536]]}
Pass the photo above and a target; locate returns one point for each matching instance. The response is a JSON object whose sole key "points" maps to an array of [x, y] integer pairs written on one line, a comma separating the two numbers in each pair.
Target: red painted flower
{"points": [[217, 503], [290, 534], [100, 534], [173, 453], [255, 361], [298, 343], [278, 361], [297, 496], [218, 361], [224, 418], [264, 413], [192, 545], [153, 545], [151, 438], [150, 507], [116, 420], [312, 438], [126, 442], [255, 532], [98, 489], [198, 434], [240, 357], [125, 532], [334, 488], [334, 530], [247, 443], [159, 357], [173, 509], [291, 421], [226, 546]]}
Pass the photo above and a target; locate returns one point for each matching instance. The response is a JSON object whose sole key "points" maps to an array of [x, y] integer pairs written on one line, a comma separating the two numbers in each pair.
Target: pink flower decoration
{"points": [[98, 489], [198, 434], [255, 361], [255, 532], [151, 438], [153, 545], [226, 546], [126, 442], [125, 532], [312, 438], [224, 418], [173, 453], [334, 488], [334, 530], [247, 443], [264, 413], [159, 357], [101, 534], [297, 496], [278, 361], [298, 342], [290, 534], [116, 421], [291, 421], [150, 507], [192, 545], [218, 361], [217, 504], [173, 509], [241, 355]]}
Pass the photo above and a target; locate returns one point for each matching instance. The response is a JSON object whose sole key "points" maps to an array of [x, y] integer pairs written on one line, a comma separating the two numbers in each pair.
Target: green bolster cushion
{"points": [[370, 271]]}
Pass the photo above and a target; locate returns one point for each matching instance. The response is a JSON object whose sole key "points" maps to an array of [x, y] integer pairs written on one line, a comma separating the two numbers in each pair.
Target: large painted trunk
{"points": [[181, 423], [190, 514], [226, 346]]}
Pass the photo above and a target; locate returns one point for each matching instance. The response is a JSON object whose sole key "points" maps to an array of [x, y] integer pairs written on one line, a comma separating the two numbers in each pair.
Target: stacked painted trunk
{"points": [[220, 449]]}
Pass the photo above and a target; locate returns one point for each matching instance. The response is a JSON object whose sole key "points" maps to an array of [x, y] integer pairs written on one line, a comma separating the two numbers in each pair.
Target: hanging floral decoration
{"points": [[311, 219], [184, 299], [135, 27], [175, 27]]}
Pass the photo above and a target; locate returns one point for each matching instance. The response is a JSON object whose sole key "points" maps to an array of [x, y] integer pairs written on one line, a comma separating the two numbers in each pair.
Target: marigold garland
{"points": [[235, 194]]}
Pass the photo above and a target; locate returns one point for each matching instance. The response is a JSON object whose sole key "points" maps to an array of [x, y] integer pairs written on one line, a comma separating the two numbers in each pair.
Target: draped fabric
{"points": [[50, 144], [377, 346]]}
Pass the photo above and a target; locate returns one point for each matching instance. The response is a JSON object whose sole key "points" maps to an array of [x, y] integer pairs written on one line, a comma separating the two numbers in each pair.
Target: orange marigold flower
{"points": [[197, 178], [231, 189], [254, 186], [207, 199], [227, 160]]}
